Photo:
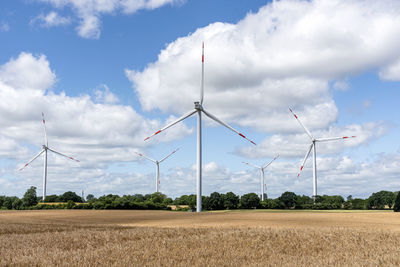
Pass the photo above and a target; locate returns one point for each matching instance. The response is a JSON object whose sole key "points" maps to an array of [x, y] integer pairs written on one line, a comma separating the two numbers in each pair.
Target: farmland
{"points": [[257, 238]]}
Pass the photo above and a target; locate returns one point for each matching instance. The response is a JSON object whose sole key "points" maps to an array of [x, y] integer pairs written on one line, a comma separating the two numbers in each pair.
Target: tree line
{"points": [[216, 201]]}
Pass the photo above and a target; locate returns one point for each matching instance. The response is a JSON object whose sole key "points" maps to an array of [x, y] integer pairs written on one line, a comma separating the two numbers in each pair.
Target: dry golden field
{"points": [[165, 238]]}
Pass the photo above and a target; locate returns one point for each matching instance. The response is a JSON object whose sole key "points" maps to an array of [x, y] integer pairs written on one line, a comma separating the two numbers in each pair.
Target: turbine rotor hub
{"points": [[198, 106]]}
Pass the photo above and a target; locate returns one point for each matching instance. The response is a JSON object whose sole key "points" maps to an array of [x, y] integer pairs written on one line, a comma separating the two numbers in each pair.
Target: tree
{"points": [[89, 197], [396, 207], [70, 196], [231, 201], [168, 201], [30, 198], [288, 199], [380, 199], [304, 202], [249, 201], [216, 202], [157, 197], [16, 203]]}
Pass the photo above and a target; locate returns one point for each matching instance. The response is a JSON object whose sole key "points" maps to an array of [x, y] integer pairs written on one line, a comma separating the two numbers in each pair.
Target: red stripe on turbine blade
{"points": [[146, 138], [301, 168], [44, 121], [242, 135], [253, 142], [344, 137], [353, 136], [157, 132], [295, 116], [202, 58]]}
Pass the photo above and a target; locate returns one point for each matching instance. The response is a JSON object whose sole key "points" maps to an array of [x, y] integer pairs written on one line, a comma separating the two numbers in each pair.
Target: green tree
{"points": [[30, 198], [380, 199], [157, 197], [90, 197], [288, 199], [7, 203], [231, 201], [396, 207], [249, 201], [216, 202], [304, 202], [17, 203], [168, 201], [70, 196]]}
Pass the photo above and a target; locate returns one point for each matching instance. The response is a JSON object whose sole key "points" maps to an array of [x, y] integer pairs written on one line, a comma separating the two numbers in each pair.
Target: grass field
{"points": [[165, 238]]}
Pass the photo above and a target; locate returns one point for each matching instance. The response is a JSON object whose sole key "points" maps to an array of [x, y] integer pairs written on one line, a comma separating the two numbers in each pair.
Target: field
{"points": [[165, 238]]}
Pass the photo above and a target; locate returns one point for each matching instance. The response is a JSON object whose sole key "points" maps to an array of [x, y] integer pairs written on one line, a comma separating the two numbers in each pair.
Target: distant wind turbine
{"points": [[312, 146], [198, 108], [157, 165], [44, 150], [262, 174]]}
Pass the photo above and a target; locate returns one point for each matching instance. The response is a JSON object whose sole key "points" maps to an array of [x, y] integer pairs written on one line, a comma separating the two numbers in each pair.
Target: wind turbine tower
{"points": [[262, 168], [45, 149], [312, 146], [198, 108], [157, 165]]}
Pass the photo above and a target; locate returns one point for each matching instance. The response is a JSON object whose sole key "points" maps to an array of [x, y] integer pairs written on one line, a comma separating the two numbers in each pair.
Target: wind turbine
{"points": [[157, 165], [44, 150], [262, 174], [198, 108], [312, 146]]}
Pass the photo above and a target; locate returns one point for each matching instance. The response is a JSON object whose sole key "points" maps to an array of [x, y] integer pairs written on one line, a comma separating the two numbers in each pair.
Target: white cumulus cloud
{"points": [[89, 12], [284, 55]]}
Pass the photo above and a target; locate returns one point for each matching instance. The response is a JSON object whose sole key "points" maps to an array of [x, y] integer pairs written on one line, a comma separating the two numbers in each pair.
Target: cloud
{"points": [[285, 55], [391, 72], [27, 73], [296, 145], [105, 96], [97, 130], [52, 19], [4, 27], [89, 12]]}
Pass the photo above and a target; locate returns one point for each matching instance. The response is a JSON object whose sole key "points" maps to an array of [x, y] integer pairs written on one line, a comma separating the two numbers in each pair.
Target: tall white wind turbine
{"points": [[44, 150], [312, 146], [157, 165], [198, 108], [262, 168]]}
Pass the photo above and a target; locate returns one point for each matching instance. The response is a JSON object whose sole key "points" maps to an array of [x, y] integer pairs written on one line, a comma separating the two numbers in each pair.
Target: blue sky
{"points": [[109, 74]]}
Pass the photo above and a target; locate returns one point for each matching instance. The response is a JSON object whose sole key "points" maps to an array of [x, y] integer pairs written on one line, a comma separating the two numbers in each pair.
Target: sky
{"points": [[107, 74]]}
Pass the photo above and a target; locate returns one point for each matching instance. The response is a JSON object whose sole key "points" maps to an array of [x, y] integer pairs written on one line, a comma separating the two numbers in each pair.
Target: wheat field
{"points": [[165, 238]]}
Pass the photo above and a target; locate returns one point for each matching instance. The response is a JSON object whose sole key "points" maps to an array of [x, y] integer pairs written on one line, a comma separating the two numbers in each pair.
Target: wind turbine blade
{"points": [[305, 159], [140, 154], [277, 156], [302, 125], [63, 155], [173, 123], [202, 76], [226, 125], [258, 167], [169, 155], [35, 157], [45, 133], [333, 138]]}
